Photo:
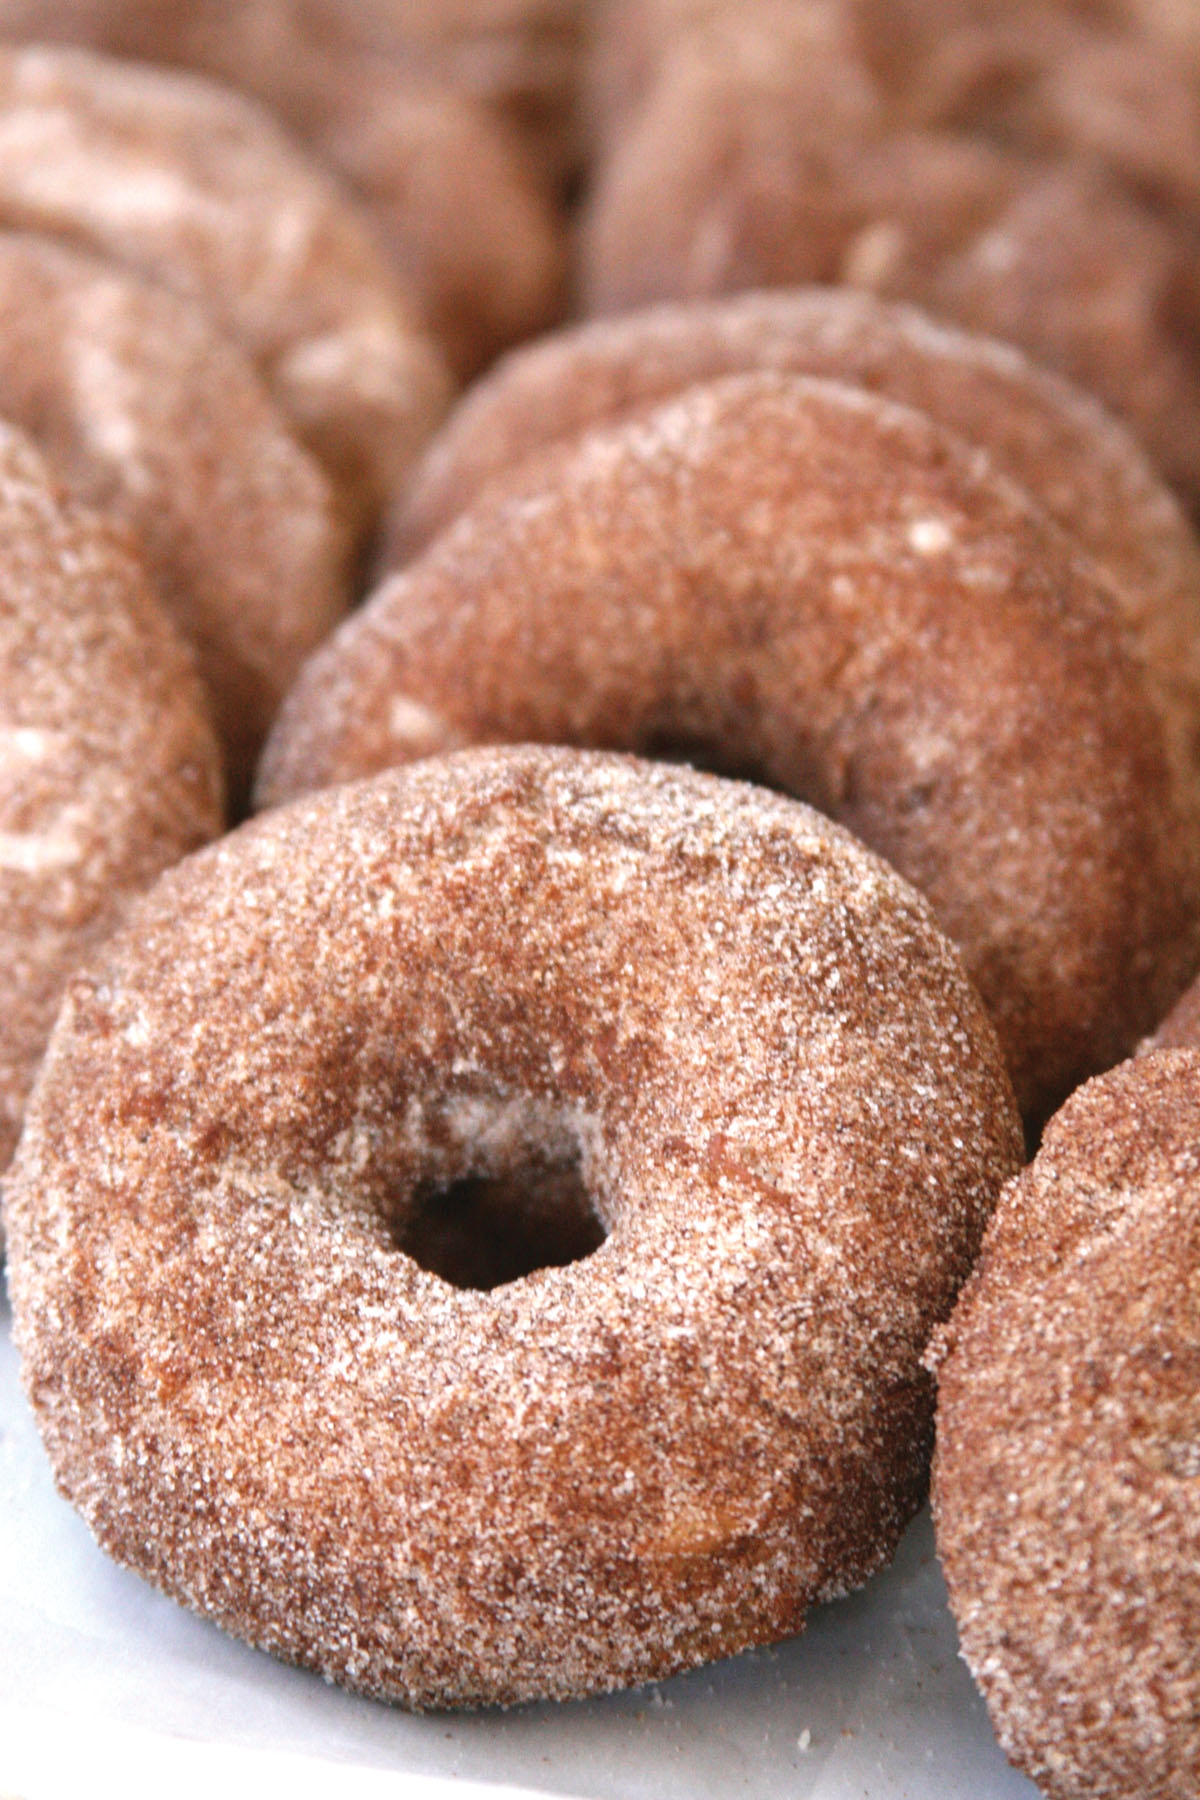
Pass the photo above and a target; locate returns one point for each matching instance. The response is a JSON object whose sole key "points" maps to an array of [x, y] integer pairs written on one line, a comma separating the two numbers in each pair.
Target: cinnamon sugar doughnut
{"points": [[189, 183], [456, 150], [1067, 1472], [108, 766], [733, 174], [807, 581], [1085, 470], [787, 1109], [474, 238], [151, 416]]}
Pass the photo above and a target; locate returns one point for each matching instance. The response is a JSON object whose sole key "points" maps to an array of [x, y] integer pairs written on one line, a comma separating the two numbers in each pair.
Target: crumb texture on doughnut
{"points": [[150, 415], [196, 186], [788, 1110], [108, 766], [1067, 1472], [794, 578]]}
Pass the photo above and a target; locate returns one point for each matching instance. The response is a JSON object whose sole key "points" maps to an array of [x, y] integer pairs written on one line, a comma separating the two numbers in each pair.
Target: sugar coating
{"points": [[1035, 177], [1082, 466], [1076, 461], [151, 415], [791, 1116], [108, 765], [1067, 1473], [190, 183], [732, 573]]}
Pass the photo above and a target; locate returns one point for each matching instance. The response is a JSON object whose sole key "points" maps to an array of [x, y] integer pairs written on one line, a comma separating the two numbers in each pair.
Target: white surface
{"points": [[101, 1677]]}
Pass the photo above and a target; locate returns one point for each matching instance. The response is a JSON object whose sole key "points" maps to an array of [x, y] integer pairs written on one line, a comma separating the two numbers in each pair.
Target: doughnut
{"points": [[737, 1033], [191, 184], [404, 106], [1085, 470], [812, 584], [477, 242], [1066, 1490], [108, 766], [1061, 228], [475, 239], [149, 415]]}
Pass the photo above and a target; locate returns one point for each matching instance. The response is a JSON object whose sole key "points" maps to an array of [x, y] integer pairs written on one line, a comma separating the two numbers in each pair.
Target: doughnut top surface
{"points": [[1079, 464], [785, 1104], [806, 581], [108, 765], [1067, 1475], [197, 187], [151, 415]]}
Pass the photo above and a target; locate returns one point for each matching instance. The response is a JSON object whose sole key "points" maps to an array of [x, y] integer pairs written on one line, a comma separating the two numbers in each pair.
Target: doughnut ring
{"points": [[590, 1475], [109, 769], [802, 580], [1067, 1473], [187, 182], [1057, 443], [151, 416]]}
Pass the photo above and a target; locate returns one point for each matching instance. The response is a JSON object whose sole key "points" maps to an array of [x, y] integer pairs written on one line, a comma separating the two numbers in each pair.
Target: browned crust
{"points": [[148, 414], [805, 580], [108, 766], [592, 1475], [1067, 1474]]}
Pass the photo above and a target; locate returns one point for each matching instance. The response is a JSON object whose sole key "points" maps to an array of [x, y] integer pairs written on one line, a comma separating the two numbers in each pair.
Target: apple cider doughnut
{"points": [[150, 415], [804, 580], [194, 185], [109, 769], [1084, 468], [1067, 1472], [788, 1116]]}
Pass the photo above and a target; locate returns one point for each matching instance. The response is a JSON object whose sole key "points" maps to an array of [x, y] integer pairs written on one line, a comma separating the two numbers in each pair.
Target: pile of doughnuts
{"points": [[491, 1226]]}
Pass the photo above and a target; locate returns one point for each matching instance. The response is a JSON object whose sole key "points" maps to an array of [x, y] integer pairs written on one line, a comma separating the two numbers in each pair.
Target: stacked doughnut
{"points": [[197, 333], [453, 123], [1030, 170], [478, 1226], [837, 592], [1068, 1445]]}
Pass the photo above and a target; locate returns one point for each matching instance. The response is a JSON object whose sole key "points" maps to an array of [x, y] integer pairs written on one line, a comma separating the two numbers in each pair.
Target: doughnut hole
{"points": [[515, 1199], [484, 1230]]}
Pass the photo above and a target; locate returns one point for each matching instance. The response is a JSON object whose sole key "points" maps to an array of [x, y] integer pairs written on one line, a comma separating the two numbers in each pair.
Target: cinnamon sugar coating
{"points": [[151, 416], [191, 184], [807, 581], [1018, 170], [1085, 470], [789, 1112], [109, 770], [452, 125], [1067, 1472]]}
